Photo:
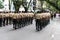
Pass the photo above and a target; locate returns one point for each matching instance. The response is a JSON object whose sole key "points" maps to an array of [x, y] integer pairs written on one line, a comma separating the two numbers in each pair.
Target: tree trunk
{"points": [[26, 9]]}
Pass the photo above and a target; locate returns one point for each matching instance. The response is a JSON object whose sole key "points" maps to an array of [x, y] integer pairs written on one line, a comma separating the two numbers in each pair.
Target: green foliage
{"points": [[24, 3], [17, 4], [54, 3], [1, 6], [59, 4]]}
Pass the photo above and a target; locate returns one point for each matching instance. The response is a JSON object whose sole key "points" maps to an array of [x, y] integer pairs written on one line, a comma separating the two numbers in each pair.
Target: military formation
{"points": [[5, 19], [42, 20], [20, 20]]}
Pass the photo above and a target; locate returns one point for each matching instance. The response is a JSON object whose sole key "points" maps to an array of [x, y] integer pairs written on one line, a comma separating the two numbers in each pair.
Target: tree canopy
{"points": [[53, 5], [1, 5], [17, 4]]}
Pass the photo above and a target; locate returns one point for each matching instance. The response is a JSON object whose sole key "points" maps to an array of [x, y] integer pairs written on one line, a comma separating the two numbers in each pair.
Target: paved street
{"points": [[50, 32]]}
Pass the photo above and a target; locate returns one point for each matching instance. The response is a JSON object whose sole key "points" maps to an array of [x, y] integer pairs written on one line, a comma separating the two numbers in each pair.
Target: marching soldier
{"points": [[15, 21], [1, 20], [10, 18], [7, 18], [19, 21], [22, 19], [31, 17], [38, 22]]}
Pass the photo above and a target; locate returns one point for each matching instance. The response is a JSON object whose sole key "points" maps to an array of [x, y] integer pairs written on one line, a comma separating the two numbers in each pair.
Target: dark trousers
{"points": [[10, 20], [4, 21], [7, 21], [38, 25], [14, 23], [0, 22]]}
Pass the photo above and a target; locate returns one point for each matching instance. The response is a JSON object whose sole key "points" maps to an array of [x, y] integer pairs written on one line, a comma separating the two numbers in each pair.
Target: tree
{"points": [[17, 4], [26, 5], [9, 4], [53, 3], [1, 6], [59, 4]]}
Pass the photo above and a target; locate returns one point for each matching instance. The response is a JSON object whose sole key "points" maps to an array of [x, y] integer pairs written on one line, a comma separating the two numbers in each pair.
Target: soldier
{"points": [[10, 18], [0, 20], [7, 18], [31, 17], [43, 20], [20, 21], [38, 22], [3, 19], [26, 19], [15, 21]]}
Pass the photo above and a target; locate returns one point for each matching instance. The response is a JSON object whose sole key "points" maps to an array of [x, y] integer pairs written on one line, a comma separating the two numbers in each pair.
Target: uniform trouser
{"points": [[26, 21], [48, 21], [14, 23], [0, 22], [10, 20], [31, 20], [23, 21], [54, 15], [44, 22], [4, 19], [38, 25], [20, 23], [51, 16]]}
